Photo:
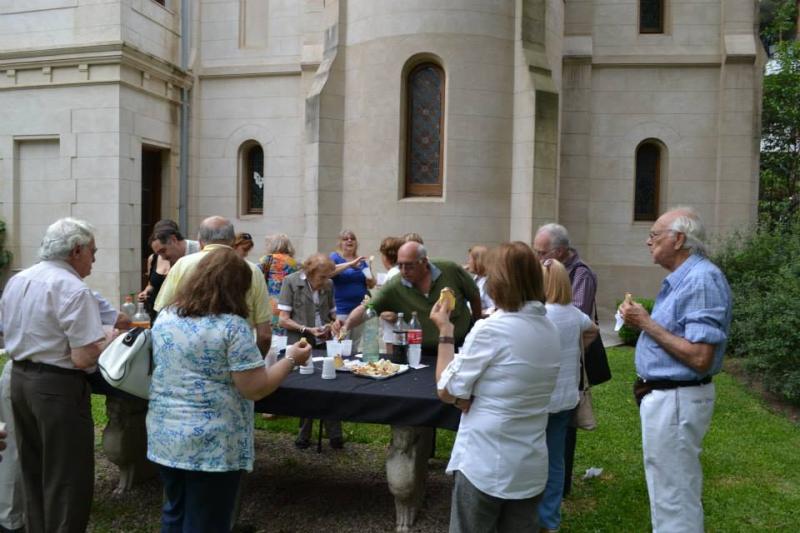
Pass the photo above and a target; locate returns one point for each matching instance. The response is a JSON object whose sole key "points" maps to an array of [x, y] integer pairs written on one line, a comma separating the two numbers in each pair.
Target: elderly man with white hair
{"points": [[681, 347], [54, 335]]}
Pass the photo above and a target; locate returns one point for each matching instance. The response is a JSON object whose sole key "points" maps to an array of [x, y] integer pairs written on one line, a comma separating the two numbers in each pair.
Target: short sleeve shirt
{"points": [[197, 419], [47, 311]]}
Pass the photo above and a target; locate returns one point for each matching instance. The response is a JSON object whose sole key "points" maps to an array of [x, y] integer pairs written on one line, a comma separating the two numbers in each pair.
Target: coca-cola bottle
{"points": [[414, 340], [400, 349]]}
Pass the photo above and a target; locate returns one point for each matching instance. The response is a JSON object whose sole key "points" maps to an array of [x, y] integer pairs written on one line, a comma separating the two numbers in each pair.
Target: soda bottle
{"points": [[129, 308], [414, 340], [400, 350], [369, 337], [140, 319]]}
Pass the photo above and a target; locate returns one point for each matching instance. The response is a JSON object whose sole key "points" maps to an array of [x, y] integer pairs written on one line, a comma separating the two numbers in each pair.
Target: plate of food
{"points": [[380, 369], [345, 365]]}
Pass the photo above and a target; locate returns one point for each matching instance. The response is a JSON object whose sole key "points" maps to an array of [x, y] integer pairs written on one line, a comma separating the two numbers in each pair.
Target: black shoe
{"points": [[302, 444], [337, 443]]}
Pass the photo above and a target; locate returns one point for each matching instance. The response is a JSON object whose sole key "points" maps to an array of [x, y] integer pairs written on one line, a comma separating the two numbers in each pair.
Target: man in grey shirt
{"points": [[54, 335]]}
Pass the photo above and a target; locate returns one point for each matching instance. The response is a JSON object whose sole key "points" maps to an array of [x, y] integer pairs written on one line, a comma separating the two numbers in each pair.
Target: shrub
{"points": [[763, 269], [628, 334]]}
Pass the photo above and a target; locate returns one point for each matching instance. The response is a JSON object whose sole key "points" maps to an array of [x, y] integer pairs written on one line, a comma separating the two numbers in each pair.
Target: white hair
{"points": [[558, 234], [63, 236], [691, 225]]}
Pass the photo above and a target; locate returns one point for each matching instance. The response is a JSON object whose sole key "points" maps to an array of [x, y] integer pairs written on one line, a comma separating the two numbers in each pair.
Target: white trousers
{"points": [[11, 503], [674, 423]]}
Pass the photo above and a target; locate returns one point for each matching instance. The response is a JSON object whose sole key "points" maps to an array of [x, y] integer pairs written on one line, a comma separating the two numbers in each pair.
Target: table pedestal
{"points": [[125, 441], [407, 470]]}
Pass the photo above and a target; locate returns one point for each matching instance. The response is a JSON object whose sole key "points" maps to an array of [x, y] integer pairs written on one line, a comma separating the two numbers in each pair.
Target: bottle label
{"points": [[415, 336]]}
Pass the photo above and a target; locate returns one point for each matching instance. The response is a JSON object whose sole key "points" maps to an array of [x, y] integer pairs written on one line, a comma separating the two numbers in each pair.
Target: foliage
{"points": [[5, 255], [629, 334], [779, 193], [763, 269]]}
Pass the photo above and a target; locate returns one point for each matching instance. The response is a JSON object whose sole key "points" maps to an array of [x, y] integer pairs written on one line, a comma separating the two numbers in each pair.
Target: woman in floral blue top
{"points": [[208, 372]]}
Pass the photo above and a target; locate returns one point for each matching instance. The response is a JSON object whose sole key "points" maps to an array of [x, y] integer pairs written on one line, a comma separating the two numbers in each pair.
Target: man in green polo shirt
{"points": [[417, 289]]}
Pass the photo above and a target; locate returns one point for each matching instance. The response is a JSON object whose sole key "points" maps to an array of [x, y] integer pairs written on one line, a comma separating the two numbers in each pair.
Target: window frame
{"points": [[423, 190], [652, 30], [658, 178], [246, 172]]}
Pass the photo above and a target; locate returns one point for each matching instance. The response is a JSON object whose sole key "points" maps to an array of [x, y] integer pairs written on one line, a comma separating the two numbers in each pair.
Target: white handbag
{"points": [[127, 363]]}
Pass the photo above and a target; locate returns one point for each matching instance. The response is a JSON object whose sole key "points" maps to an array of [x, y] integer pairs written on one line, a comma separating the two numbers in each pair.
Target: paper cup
{"points": [[328, 368]]}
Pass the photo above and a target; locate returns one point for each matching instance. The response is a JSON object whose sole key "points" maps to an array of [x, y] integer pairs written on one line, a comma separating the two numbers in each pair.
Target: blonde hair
{"points": [[557, 287], [478, 255]]}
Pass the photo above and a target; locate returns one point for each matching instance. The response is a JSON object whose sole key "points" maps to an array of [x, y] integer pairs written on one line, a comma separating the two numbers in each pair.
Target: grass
{"points": [[750, 461]]}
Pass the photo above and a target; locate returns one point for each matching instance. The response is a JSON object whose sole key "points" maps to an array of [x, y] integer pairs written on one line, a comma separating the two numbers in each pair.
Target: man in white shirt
{"points": [[53, 333]]}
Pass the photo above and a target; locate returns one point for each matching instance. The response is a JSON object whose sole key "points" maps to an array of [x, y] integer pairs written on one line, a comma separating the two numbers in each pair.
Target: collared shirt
{"points": [[584, 283], [508, 365], [298, 299], [435, 273], [258, 304], [47, 311], [694, 303]]}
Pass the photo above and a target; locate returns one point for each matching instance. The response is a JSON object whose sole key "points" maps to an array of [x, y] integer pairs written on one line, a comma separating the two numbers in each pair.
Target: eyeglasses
{"points": [[348, 238], [403, 266], [246, 236]]}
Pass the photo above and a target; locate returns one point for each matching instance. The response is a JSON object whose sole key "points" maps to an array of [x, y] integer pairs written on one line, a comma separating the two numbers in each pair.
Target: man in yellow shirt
{"points": [[217, 232]]}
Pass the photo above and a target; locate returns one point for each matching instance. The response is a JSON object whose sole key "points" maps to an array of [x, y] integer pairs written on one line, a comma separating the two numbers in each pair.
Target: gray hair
{"points": [[422, 252], [216, 230], [689, 223], [279, 243], [558, 234], [63, 236]]}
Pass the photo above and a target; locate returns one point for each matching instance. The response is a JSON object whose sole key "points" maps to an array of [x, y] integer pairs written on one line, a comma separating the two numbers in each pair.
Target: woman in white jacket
{"points": [[574, 328], [502, 380]]}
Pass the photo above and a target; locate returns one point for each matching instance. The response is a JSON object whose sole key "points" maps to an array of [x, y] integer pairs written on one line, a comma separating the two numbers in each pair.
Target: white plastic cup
{"points": [[333, 348], [347, 347], [279, 342], [328, 368], [367, 271], [308, 368]]}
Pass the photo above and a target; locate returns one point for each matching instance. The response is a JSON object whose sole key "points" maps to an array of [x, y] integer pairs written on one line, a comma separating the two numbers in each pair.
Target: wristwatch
{"points": [[446, 340]]}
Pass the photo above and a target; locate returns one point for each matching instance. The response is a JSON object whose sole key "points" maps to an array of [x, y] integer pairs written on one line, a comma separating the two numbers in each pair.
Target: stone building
{"points": [[467, 121]]}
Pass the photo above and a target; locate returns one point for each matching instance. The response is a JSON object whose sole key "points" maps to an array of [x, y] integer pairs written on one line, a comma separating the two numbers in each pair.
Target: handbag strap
{"points": [[584, 385]]}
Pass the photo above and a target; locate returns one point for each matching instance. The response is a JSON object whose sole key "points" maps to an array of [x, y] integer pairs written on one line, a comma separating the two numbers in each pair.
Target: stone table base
{"points": [[407, 470]]}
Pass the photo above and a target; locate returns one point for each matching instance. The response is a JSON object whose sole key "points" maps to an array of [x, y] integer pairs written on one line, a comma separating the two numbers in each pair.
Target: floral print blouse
{"points": [[275, 268], [196, 419]]}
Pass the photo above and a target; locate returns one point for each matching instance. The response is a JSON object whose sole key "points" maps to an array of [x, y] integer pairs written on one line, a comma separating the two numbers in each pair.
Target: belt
{"points": [[661, 384], [44, 367], [643, 387]]}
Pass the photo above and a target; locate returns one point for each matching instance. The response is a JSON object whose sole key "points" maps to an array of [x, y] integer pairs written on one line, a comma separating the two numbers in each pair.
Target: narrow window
{"points": [[651, 16], [425, 108], [648, 176], [252, 158]]}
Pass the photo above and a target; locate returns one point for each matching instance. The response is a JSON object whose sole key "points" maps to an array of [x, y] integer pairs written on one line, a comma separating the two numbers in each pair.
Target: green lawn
{"points": [[751, 460]]}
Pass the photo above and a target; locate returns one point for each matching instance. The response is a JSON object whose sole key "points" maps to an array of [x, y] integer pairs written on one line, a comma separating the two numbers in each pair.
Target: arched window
{"points": [[251, 157], [648, 178], [651, 16], [424, 164]]}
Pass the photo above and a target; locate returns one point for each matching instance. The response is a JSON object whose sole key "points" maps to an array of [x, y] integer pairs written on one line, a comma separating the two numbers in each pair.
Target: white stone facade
{"points": [[545, 103]]}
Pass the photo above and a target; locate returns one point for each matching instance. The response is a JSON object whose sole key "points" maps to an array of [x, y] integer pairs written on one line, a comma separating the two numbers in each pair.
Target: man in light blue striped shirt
{"points": [[681, 347]]}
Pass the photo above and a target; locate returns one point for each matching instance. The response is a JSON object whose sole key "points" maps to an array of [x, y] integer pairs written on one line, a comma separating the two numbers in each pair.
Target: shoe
{"points": [[302, 444], [337, 443], [547, 530]]}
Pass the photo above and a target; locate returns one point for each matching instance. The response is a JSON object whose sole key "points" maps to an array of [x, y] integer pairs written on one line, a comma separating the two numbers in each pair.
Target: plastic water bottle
{"points": [[129, 308], [369, 337], [414, 340]]}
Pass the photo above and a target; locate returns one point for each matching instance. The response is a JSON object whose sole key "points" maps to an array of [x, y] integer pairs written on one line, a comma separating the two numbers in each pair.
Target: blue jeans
{"points": [[198, 502], [550, 506]]}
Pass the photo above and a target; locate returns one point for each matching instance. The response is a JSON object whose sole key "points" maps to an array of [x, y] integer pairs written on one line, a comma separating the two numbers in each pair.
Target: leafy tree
{"points": [[780, 136]]}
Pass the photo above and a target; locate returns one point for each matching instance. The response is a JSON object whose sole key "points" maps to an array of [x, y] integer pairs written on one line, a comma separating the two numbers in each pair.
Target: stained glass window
{"points": [[425, 105], [253, 174], [648, 170], [651, 16]]}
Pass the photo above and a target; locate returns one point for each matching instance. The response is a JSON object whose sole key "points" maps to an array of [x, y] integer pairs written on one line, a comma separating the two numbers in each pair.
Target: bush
{"points": [[629, 334], [763, 269]]}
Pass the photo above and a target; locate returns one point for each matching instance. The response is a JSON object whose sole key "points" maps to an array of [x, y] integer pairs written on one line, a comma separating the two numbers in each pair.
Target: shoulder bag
{"points": [[583, 418], [127, 363]]}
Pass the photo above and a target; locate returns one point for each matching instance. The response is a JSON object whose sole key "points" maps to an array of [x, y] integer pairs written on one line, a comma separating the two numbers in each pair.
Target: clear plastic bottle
{"points": [[400, 350], [140, 319], [129, 308], [369, 337], [414, 340]]}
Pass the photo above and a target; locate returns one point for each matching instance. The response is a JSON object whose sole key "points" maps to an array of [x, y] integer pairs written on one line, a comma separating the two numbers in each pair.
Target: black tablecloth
{"points": [[408, 399]]}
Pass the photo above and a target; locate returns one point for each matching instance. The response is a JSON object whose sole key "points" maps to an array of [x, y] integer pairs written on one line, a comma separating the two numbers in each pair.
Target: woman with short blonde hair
{"points": [[574, 328]]}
